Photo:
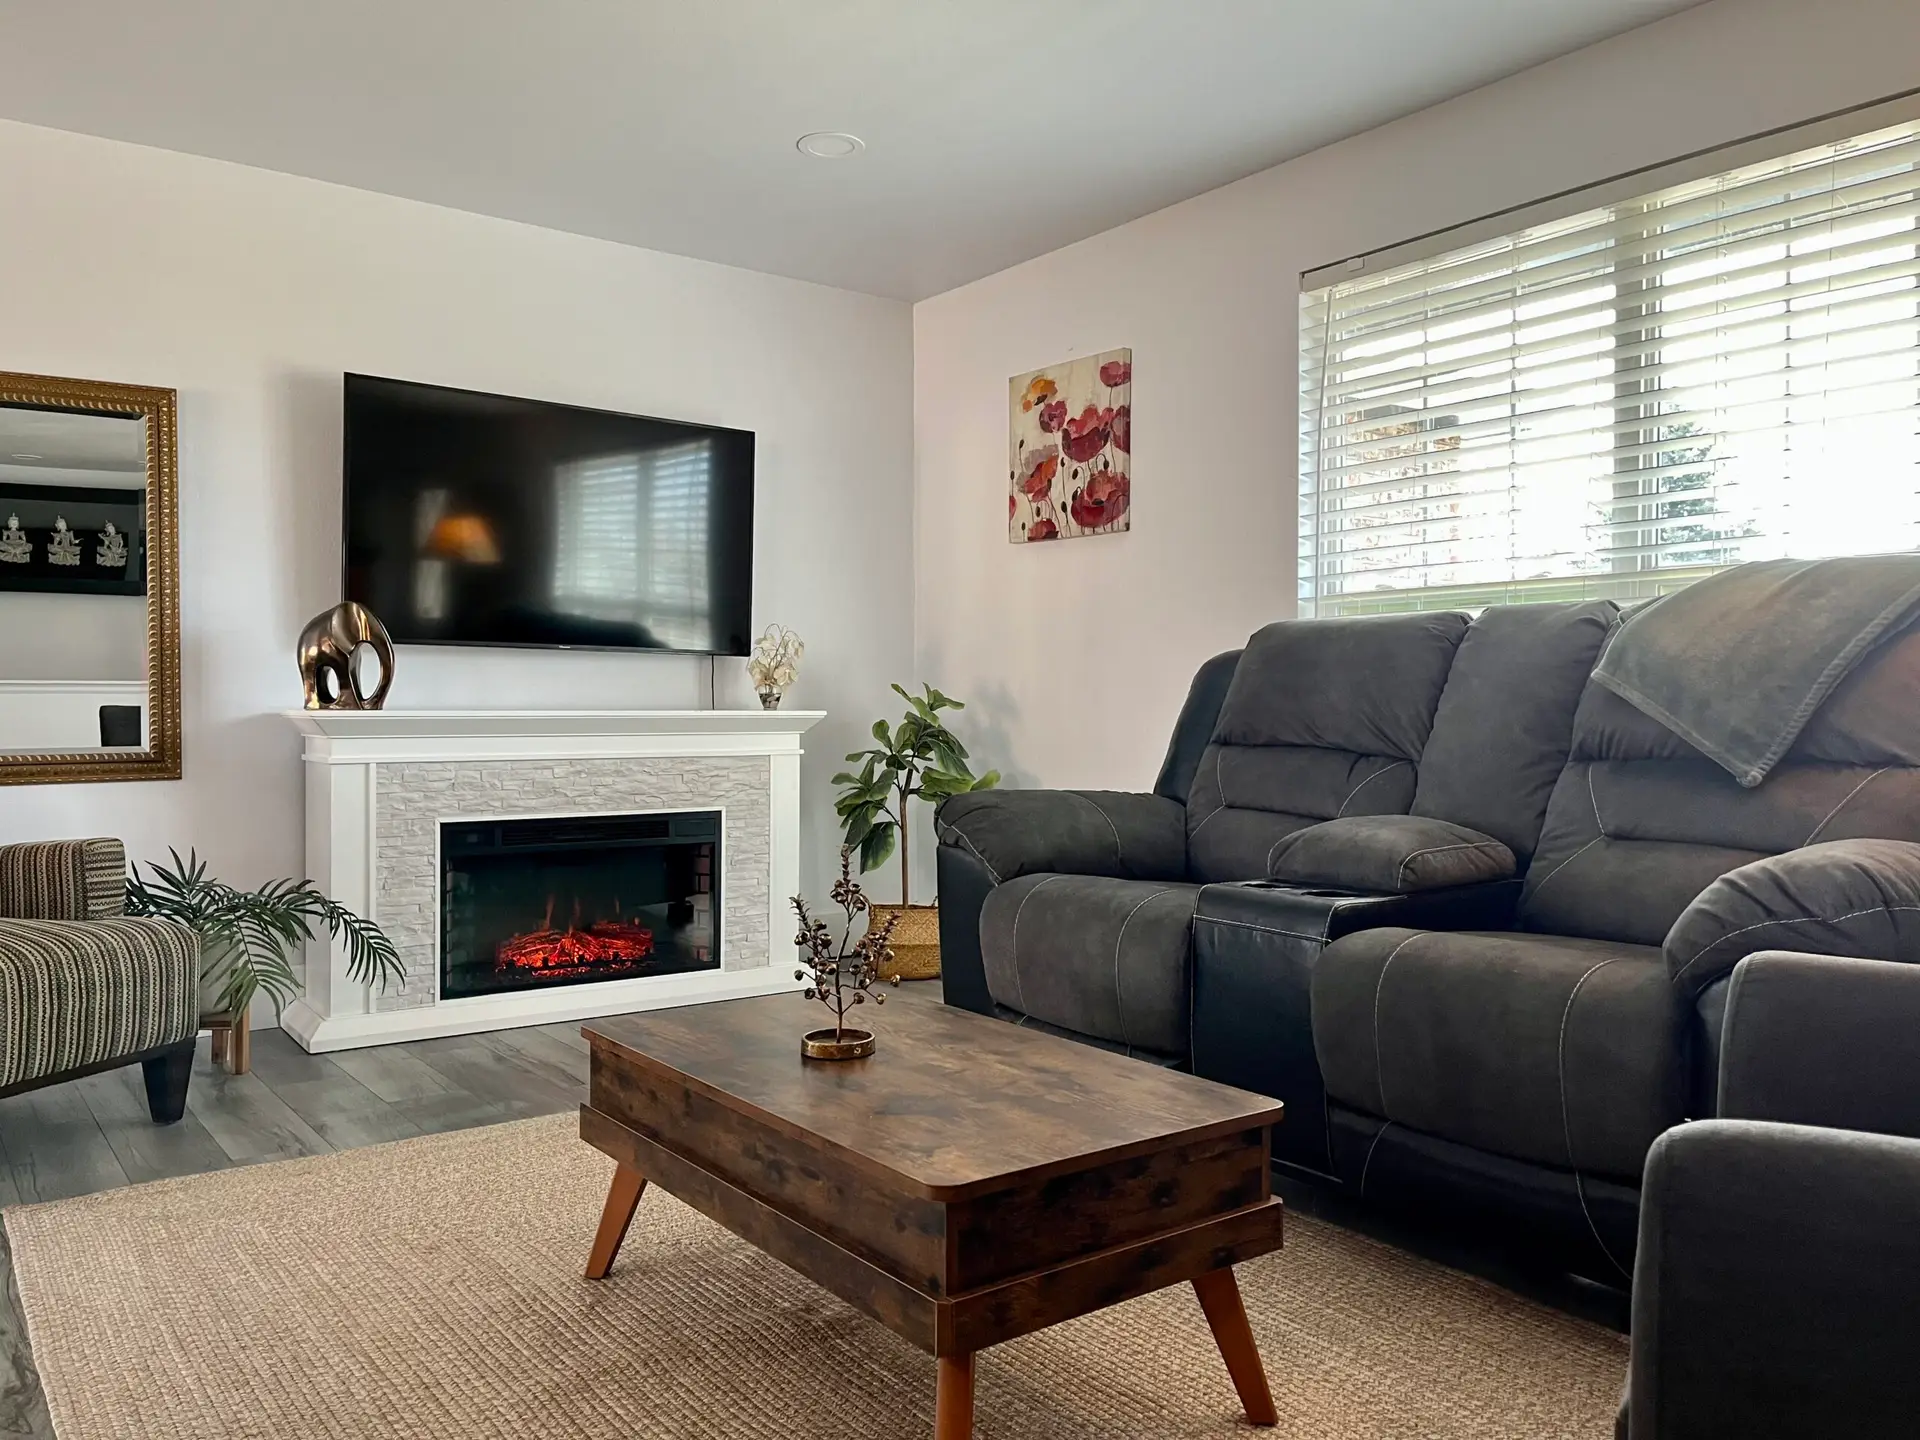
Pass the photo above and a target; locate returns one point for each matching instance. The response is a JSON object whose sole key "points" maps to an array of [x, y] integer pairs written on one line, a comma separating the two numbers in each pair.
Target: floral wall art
{"points": [[1072, 449]]}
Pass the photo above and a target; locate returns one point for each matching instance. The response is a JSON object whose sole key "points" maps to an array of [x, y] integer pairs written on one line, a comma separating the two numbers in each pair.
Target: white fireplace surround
{"points": [[380, 783]]}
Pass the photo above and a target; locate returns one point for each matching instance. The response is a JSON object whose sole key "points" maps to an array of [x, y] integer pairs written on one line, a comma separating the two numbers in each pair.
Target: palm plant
{"points": [[919, 756], [248, 937]]}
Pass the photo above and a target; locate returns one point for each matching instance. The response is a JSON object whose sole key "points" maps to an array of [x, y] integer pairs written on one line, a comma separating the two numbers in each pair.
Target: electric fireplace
{"points": [[528, 904]]}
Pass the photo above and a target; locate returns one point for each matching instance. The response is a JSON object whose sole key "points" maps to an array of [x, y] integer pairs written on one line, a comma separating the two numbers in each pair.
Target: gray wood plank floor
{"points": [[94, 1134]]}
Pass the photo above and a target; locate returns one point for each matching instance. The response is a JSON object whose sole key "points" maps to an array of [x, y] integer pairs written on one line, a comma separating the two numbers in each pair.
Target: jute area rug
{"points": [[431, 1288]]}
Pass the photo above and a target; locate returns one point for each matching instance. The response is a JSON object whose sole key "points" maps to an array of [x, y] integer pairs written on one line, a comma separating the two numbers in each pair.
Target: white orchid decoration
{"points": [[775, 664]]}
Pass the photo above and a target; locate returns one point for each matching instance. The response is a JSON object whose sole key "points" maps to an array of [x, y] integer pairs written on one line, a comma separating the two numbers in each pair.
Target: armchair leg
{"points": [[167, 1075]]}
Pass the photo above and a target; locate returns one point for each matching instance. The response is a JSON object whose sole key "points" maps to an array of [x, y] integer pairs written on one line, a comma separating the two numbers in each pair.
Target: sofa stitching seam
{"points": [[1263, 929], [1220, 786], [943, 831], [1366, 1167], [1560, 1057], [1790, 920], [1848, 800], [1013, 942], [1533, 892], [1384, 769], [1119, 852], [1379, 987], [1119, 995], [1566, 1116], [1276, 845]]}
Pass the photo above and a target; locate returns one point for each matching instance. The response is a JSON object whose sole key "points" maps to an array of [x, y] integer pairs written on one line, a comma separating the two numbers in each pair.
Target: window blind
{"points": [[1618, 402], [632, 544]]}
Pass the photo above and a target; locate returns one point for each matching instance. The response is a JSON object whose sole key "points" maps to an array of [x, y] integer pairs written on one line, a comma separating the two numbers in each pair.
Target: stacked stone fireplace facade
{"points": [[413, 800]]}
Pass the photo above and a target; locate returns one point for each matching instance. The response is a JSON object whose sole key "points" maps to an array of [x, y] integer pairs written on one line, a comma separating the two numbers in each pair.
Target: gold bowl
{"points": [[836, 1044]]}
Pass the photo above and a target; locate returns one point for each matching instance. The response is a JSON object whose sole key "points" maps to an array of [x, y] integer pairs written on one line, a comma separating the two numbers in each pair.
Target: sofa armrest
{"points": [[1773, 1288], [63, 880], [1075, 832], [1843, 897], [79, 993], [1389, 855], [1812, 1040]]}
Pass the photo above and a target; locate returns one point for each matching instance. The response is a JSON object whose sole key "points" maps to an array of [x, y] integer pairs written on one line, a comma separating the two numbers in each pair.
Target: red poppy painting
{"points": [[1071, 468]]}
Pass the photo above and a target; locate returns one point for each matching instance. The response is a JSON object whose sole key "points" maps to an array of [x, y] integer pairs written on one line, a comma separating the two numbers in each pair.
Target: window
{"points": [[1616, 403]]}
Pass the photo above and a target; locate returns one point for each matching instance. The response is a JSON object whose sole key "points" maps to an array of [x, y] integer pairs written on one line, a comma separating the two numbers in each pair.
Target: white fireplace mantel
{"points": [[379, 783]]}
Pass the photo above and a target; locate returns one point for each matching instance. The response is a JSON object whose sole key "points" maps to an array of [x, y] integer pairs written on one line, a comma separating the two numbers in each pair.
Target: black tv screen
{"points": [[478, 519]]}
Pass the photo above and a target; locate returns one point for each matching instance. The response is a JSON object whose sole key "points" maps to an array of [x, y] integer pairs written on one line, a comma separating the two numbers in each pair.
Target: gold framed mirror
{"points": [[89, 582]]}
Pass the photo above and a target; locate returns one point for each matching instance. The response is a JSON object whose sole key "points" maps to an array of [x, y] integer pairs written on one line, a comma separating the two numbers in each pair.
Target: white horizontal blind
{"points": [[632, 541], [1619, 402]]}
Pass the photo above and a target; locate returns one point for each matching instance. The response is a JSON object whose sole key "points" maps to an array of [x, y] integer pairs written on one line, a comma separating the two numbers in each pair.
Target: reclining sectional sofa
{"points": [[1467, 912]]}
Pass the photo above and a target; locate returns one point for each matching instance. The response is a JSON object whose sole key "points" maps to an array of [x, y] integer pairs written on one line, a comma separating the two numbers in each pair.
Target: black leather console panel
{"points": [[964, 883], [1254, 948]]}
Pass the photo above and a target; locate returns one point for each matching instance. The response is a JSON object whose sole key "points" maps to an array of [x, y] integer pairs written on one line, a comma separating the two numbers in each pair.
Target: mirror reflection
{"points": [[73, 579]]}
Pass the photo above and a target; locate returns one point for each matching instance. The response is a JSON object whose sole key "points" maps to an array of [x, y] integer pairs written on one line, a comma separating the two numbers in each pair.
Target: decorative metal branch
{"points": [[841, 973]]}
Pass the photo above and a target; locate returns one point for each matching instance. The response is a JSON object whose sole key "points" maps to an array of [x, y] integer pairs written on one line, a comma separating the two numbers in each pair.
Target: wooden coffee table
{"points": [[971, 1182]]}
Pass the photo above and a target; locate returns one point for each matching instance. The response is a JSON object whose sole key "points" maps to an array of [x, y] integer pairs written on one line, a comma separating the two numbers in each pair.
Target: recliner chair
{"points": [[1779, 1258]]}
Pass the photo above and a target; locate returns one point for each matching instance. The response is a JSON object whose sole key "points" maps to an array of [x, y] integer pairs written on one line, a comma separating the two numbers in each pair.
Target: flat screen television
{"points": [[478, 519]]}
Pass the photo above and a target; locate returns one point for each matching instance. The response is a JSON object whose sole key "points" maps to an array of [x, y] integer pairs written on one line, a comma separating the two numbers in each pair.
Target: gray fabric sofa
{"points": [[1778, 1260], [1458, 906]]}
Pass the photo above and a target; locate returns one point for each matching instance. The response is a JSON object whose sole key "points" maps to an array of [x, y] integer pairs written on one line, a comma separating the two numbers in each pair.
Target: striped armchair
{"points": [[84, 986]]}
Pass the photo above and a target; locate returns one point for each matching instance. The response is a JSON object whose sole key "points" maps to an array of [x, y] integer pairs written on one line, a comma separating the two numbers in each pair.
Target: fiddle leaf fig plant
{"points": [[918, 756], [248, 937]]}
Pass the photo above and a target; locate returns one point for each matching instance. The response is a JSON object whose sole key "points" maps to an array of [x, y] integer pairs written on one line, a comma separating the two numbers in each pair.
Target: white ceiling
{"points": [[996, 130], [67, 440]]}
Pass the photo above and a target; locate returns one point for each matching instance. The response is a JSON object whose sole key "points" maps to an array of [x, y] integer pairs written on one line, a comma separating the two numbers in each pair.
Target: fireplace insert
{"points": [[525, 904]]}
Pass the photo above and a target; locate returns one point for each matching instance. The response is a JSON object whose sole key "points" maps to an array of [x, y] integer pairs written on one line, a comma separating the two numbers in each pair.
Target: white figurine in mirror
{"points": [[15, 548], [113, 549], [63, 548], [775, 664]]}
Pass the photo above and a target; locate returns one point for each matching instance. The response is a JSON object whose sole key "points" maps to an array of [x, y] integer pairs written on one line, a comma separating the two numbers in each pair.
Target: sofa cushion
{"points": [[1101, 957], [1323, 718], [1858, 898], [1389, 855], [1367, 685], [1505, 722], [1082, 832], [1641, 822], [1561, 1052], [1193, 730]]}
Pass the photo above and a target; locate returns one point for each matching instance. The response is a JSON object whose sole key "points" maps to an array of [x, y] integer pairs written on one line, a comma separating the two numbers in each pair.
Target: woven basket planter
{"points": [[915, 943]]}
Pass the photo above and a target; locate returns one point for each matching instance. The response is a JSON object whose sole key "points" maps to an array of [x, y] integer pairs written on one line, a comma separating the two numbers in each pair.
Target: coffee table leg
{"points": [[623, 1198], [953, 1398], [1220, 1300]]}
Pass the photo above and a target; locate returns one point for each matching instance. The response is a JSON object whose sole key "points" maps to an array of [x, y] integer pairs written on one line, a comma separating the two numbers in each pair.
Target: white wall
{"points": [[251, 292], [1078, 653], [70, 637]]}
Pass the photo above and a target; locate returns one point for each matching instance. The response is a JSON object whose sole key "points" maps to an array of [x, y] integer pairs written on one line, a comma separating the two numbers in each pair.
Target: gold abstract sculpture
{"points": [[326, 658]]}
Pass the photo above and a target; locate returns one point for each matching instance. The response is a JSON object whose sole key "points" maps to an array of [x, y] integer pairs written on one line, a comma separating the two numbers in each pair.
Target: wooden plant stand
{"points": [[232, 1040]]}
